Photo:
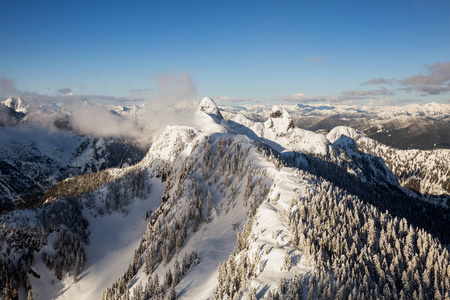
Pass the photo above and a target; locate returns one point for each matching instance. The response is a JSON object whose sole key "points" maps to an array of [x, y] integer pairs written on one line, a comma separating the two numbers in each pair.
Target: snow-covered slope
{"points": [[280, 133], [425, 171], [33, 158], [230, 209]]}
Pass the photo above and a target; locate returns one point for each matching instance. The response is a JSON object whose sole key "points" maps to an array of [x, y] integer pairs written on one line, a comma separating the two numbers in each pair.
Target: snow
{"points": [[268, 224], [214, 242], [170, 144], [280, 133], [18, 140], [336, 133], [17, 104], [207, 105], [115, 237], [113, 240]]}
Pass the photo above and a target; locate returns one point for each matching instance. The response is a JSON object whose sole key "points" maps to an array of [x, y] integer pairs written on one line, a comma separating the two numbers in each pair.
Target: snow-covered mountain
{"points": [[33, 158], [12, 111], [405, 127], [237, 206]]}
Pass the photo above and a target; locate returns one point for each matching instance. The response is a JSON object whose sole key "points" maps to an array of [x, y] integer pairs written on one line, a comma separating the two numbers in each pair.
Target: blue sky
{"points": [[235, 51]]}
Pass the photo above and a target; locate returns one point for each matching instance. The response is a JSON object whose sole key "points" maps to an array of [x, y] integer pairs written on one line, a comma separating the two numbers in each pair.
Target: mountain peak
{"points": [[280, 119], [17, 104], [338, 131], [207, 105]]}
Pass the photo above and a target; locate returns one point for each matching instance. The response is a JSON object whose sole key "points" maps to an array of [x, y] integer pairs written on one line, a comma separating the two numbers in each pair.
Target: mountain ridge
{"points": [[229, 208]]}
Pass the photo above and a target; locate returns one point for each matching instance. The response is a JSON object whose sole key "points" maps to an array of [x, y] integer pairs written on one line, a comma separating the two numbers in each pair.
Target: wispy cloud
{"points": [[8, 87], [406, 101], [174, 87], [435, 81], [303, 98], [378, 81], [141, 91], [432, 90], [363, 93], [437, 74], [331, 99], [314, 59], [234, 100], [106, 98], [382, 101]]}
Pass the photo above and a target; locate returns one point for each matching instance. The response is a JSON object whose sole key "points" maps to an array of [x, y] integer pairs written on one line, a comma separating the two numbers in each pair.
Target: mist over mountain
{"points": [[199, 201]]}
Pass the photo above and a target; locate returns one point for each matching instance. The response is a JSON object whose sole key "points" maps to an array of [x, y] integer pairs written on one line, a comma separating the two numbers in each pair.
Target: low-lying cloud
{"points": [[382, 101], [362, 93], [102, 115], [332, 99], [303, 98], [233, 100], [98, 121]]}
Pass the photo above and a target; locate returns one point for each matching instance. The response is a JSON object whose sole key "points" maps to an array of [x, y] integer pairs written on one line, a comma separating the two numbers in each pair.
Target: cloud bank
{"points": [[97, 115], [98, 121]]}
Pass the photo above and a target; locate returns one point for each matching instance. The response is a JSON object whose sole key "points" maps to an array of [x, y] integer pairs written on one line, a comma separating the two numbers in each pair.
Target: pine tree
{"points": [[172, 294], [286, 261], [177, 272], [169, 279], [251, 295]]}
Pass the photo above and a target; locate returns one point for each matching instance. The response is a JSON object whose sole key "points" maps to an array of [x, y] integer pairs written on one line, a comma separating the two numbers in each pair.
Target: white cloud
{"points": [[98, 121]]}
